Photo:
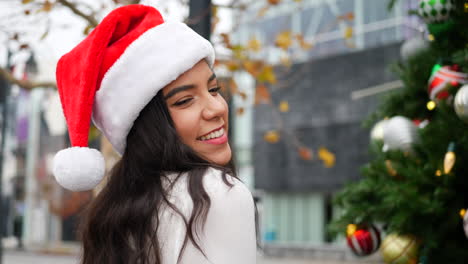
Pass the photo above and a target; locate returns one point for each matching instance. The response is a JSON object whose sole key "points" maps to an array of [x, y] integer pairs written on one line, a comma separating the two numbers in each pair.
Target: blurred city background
{"points": [[301, 77]]}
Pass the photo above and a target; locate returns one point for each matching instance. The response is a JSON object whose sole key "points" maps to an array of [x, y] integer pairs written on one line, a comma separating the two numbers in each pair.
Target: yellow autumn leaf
{"points": [[26, 1], [303, 43], [305, 153], [274, 2], [327, 157], [243, 95], [226, 40], [284, 40], [262, 95], [46, 7], [238, 52], [284, 106], [253, 67], [271, 136], [267, 75], [347, 16], [348, 32], [232, 65], [254, 44]]}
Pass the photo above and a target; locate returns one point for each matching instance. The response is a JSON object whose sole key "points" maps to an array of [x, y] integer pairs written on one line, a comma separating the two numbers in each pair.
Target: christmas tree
{"points": [[415, 188]]}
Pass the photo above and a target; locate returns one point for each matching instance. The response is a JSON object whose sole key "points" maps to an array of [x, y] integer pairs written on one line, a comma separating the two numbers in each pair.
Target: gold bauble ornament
{"points": [[400, 249], [449, 159]]}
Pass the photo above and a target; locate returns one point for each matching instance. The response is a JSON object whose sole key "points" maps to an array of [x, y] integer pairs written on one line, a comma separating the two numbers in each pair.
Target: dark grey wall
{"points": [[321, 114]]}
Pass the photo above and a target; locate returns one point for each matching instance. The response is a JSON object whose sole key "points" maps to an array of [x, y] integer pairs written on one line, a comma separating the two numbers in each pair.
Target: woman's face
{"points": [[200, 113]]}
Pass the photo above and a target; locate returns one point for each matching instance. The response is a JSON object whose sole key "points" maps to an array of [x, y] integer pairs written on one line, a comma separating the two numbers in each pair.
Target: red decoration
{"points": [[444, 76], [363, 241]]}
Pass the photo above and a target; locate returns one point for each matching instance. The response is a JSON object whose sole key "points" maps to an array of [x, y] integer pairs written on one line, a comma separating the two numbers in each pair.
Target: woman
{"points": [[173, 197]]}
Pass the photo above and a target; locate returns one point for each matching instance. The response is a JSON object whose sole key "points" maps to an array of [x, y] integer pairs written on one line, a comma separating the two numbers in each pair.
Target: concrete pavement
{"points": [[24, 257]]}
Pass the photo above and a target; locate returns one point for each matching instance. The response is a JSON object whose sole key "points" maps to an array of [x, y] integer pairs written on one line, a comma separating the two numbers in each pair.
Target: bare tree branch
{"points": [[72, 6], [28, 85]]}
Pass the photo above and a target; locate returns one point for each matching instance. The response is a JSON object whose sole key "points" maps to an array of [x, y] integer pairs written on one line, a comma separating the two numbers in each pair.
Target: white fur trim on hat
{"points": [[149, 63], [78, 168]]}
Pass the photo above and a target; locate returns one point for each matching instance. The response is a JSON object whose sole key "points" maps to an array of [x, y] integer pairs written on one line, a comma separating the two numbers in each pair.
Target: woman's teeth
{"points": [[214, 134]]}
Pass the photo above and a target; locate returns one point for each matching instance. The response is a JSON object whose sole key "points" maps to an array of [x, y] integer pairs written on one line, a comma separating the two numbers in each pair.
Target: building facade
{"points": [[331, 89]]}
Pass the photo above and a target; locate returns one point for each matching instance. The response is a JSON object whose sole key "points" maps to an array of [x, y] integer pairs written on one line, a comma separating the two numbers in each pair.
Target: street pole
{"points": [[4, 92], [200, 17]]}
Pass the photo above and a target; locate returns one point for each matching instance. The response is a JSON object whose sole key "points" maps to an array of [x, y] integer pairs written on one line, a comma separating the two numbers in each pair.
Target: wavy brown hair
{"points": [[119, 224]]}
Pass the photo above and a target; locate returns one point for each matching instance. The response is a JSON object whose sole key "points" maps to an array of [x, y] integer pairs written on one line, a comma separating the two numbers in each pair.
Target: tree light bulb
{"points": [[431, 105], [351, 229], [462, 212]]}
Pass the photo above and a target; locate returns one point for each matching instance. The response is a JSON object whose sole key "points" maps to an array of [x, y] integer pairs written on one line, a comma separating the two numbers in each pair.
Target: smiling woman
{"points": [[174, 196], [200, 113]]}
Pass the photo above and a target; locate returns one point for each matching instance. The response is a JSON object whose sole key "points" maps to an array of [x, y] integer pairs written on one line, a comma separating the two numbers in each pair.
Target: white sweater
{"points": [[229, 235]]}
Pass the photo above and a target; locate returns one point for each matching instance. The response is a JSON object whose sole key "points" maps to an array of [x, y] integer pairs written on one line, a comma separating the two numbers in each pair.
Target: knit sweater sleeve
{"points": [[229, 233]]}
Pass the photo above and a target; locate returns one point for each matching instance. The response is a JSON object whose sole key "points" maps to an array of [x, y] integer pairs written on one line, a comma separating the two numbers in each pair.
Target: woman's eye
{"points": [[215, 90], [182, 102]]}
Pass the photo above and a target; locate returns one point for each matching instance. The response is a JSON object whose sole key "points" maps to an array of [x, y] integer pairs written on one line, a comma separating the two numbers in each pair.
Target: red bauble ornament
{"points": [[445, 75], [363, 240]]}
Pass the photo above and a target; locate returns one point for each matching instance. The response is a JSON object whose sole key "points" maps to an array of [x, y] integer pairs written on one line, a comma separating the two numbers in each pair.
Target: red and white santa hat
{"points": [[111, 76]]}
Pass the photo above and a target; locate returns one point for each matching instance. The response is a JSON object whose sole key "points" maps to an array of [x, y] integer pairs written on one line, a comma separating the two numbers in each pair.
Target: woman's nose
{"points": [[214, 107]]}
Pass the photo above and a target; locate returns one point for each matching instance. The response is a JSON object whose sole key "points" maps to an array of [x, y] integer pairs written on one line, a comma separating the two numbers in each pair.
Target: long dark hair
{"points": [[119, 225]]}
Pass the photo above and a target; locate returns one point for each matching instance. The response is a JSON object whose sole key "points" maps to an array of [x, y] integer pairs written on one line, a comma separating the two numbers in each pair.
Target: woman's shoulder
{"points": [[214, 184]]}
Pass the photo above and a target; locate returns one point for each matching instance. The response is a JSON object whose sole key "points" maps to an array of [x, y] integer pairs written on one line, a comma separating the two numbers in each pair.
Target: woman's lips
{"points": [[217, 141]]}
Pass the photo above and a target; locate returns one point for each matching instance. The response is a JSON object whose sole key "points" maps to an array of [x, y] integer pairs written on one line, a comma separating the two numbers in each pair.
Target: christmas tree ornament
{"points": [[377, 131], [400, 249], [442, 78], [431, 105], [421, 123], [449, 159], [462, 213], [413, 46], [363, 240], [435, 11], [390, 168], [465, 224], [461, 103], [399, 134]]}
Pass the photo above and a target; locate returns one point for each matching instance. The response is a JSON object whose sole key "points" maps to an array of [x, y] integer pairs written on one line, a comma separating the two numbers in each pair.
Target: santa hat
{"points": [[111, 76]]}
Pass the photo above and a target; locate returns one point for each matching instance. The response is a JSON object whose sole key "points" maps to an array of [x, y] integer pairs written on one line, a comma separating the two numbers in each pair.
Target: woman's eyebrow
{"points": [[185, 87], [178, 90], [212, 77]]}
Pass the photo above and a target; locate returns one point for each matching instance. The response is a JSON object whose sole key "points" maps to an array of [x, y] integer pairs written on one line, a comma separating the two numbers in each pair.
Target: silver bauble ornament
{"points": [[399, 134], [435, 11], [377, 132], [461, 103], [413, 46]]}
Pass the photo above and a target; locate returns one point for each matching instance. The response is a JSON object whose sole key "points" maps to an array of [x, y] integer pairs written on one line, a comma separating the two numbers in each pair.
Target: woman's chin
{"points": [[220, 158]]}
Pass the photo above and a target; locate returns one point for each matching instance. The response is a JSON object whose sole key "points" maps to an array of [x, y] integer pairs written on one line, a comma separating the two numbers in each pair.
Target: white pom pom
{"points": [[78, 168]]}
